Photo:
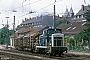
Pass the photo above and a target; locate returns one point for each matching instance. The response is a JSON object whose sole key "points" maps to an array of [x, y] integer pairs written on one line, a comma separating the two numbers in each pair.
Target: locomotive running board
{"points": [[41, 46]]}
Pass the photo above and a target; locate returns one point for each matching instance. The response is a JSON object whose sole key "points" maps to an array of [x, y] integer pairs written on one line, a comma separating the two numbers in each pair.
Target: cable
{"points": [[84, 1], [20, 7], [24, 5], [42, 8], [36, 10]]}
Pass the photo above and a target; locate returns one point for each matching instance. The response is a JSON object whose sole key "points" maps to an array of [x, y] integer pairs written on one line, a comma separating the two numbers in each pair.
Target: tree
{"points": [[63, 21], [4, 34], [69, 41], [87, 31]]}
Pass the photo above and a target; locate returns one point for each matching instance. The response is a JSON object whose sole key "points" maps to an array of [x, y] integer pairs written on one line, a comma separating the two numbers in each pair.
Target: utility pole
{"points": [[54, 26], [85, 1], [54, 19], [14, 26], [13, 31], [7, 34]]}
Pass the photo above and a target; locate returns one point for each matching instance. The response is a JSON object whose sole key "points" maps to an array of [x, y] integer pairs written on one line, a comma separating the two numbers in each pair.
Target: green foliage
{"points": [[87, 31], [5, 33], [69, 41], [61, 22], [87, 16], [81, 35]]}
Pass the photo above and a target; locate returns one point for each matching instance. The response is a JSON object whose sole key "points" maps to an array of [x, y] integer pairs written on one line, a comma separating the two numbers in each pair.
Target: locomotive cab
{"points": [[57, 44]]}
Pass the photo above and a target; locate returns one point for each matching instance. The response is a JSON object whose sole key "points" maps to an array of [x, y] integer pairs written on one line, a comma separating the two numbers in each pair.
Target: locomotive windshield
{"points": [[58, 41], [52, 31], [58, 31]]}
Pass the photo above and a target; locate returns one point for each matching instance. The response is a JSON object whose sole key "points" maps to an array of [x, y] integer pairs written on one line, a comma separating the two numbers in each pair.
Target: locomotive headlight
{"points": [[50, 44]]}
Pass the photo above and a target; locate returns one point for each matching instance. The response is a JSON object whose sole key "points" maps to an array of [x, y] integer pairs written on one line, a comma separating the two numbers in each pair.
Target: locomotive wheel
{"points": [[50, 54], [60, 55]]}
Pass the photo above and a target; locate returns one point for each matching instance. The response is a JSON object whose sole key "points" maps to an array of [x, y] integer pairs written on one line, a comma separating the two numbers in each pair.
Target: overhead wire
{"points": [[41, 8], [20, 7], [32, 3], [23, 6]]}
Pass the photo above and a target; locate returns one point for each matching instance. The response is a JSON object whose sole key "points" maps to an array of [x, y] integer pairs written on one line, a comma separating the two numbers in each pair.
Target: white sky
{"points": [[23, 7]]}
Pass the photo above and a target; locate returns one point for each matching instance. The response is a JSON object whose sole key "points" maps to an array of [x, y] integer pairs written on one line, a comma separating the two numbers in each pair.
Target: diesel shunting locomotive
{"points": [[51, 42]]}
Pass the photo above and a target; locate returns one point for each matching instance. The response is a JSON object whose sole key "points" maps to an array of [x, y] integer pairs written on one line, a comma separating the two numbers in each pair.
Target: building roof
{"points": [[35, 19], [76, 19], [45, 20], [73, 27], [66, 12], [71, 10], [81, 11]]}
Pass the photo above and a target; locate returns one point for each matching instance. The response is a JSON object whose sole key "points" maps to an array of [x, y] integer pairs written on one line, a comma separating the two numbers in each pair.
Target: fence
{"points": [[79, 48]]}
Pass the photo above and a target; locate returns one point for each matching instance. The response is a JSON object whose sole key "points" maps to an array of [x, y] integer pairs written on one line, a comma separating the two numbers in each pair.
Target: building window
{"points": [[73, 28], [74, 18], [83, 23], [68, 28], [77, 16], [81, 16], [32, 23]]}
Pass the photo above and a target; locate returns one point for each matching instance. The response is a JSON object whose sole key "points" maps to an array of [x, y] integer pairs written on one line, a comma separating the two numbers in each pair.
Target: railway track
{"points": [[22, 55]]}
